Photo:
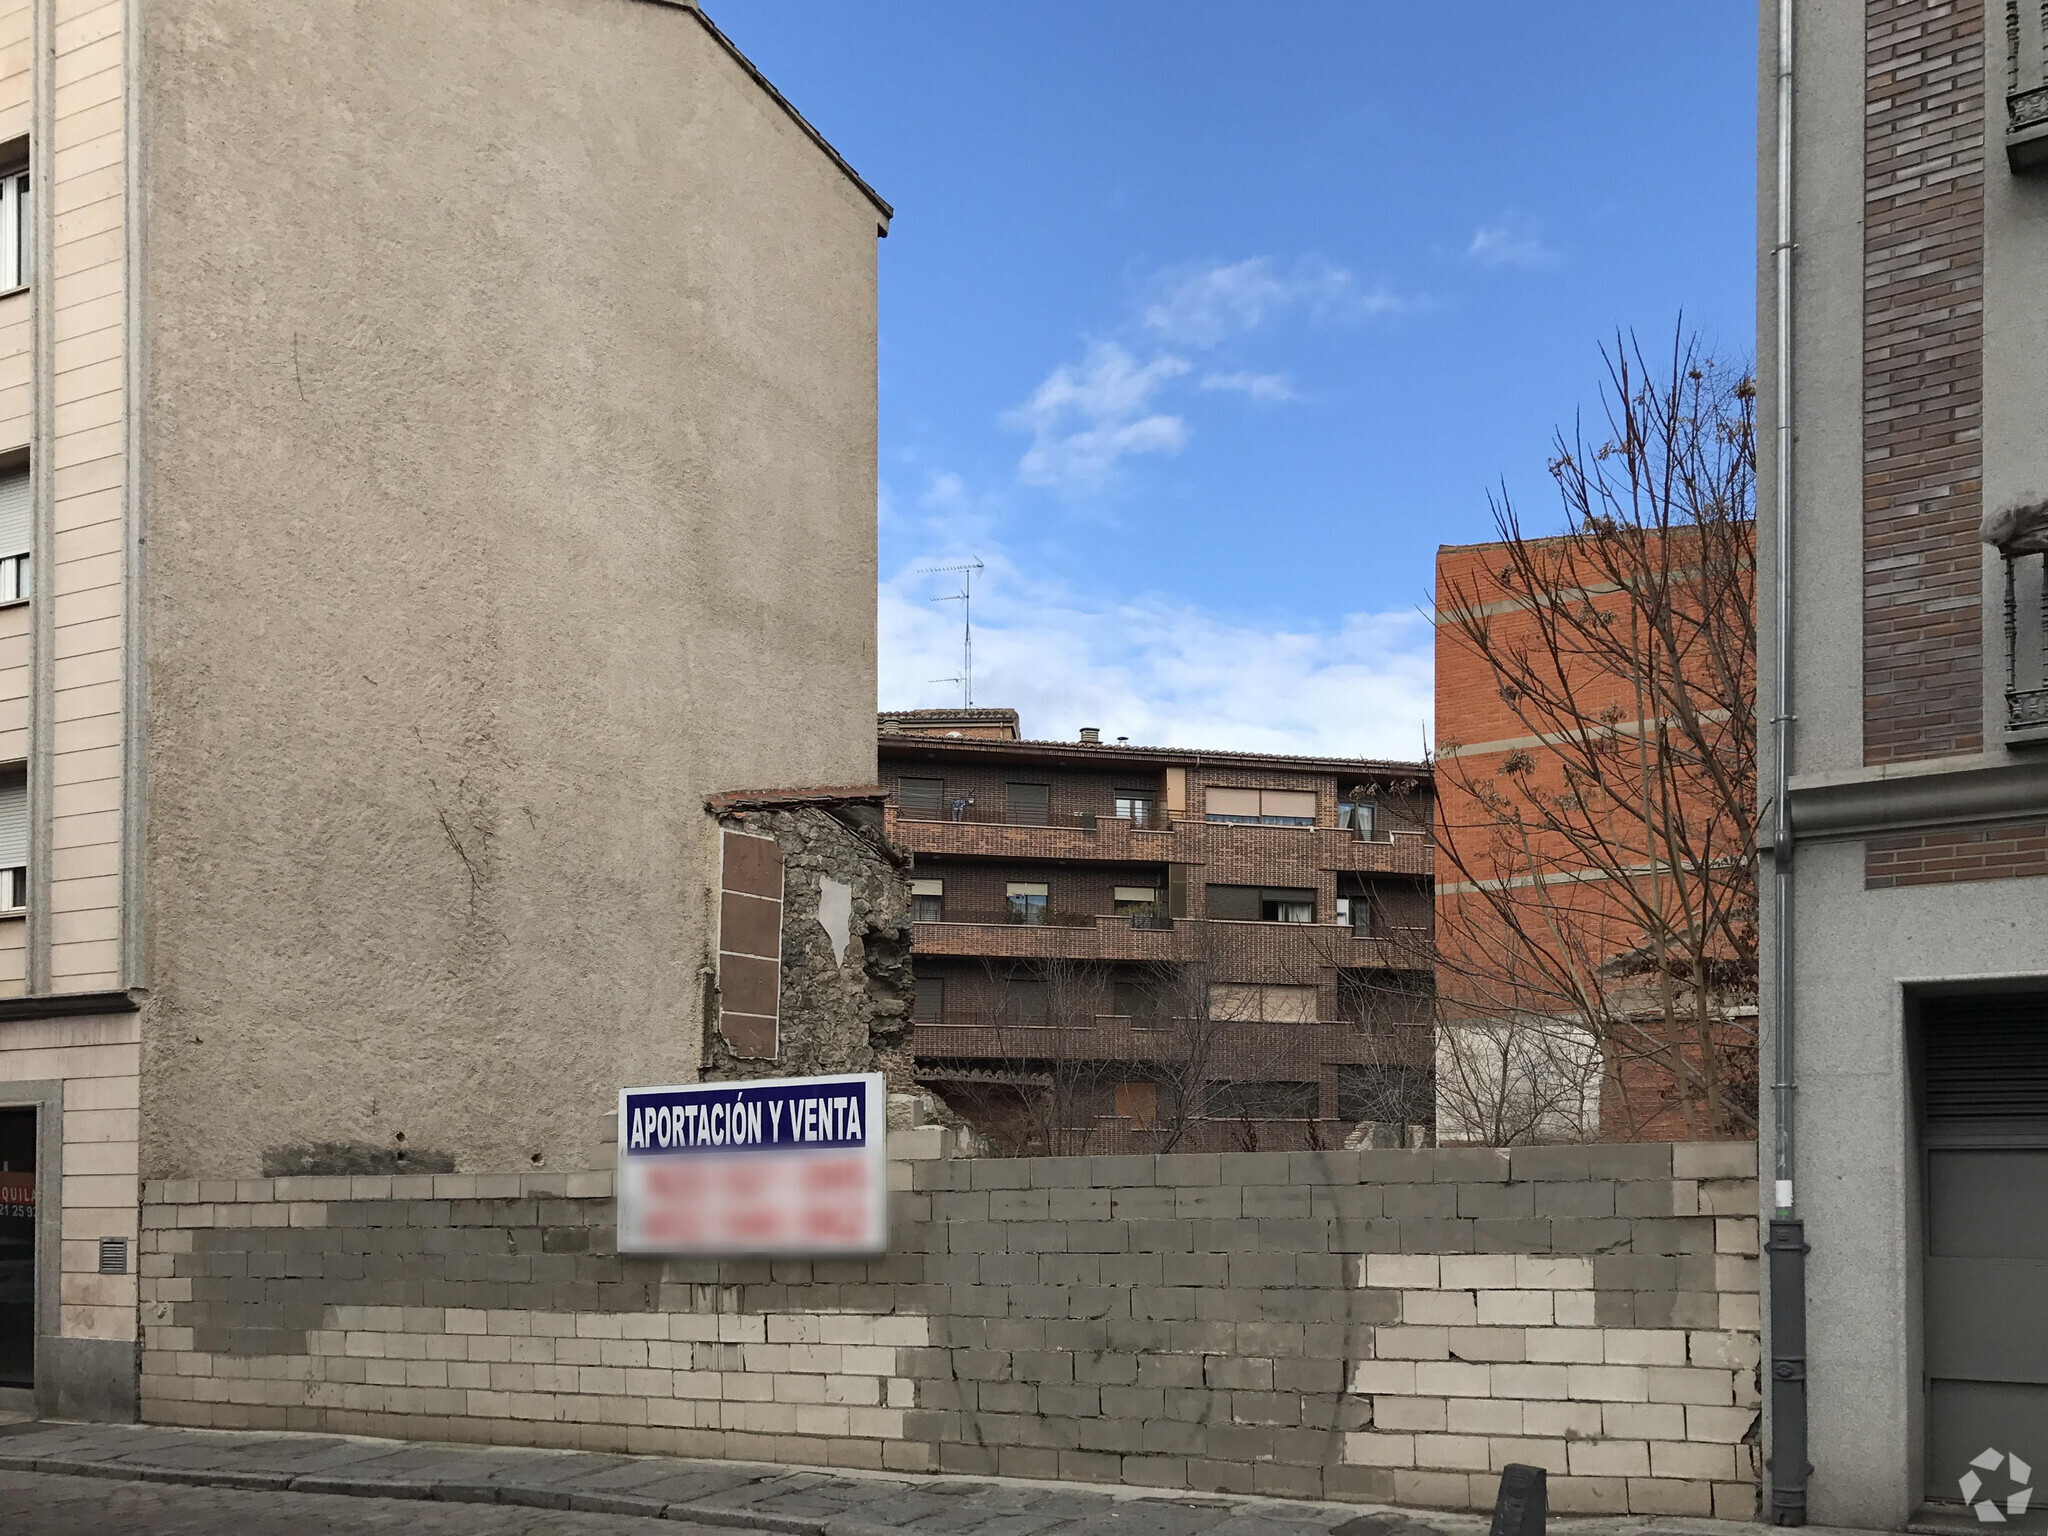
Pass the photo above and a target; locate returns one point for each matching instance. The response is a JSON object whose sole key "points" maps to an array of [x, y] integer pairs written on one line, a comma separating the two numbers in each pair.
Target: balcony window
{"points": [[13, 839], [1357, 816], [1026, 1002], [1260, 807], [1137, 900], [1139, 1104], [927, 901], [16, 245], [1263, 1101], [1028, 805], [1255, 1003], [930, 1006], [1136, 1001], [1025, 902], [1140, 807], [1260, 903], [923, 799], [16, 503], [1287, 906]]}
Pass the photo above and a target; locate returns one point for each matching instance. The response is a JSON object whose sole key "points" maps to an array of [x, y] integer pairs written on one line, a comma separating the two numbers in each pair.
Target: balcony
{"points": [[2026, 648], [1092, 836], [2026, 85], [1063, 936], [1250, 1051]]}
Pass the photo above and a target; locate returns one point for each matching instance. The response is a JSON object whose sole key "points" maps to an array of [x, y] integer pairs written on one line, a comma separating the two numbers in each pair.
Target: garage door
{"points": [[1985, 1134]]}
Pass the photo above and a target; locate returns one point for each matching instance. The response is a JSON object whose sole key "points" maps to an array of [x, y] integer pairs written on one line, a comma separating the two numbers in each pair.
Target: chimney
{"points": [[1091, 736]]}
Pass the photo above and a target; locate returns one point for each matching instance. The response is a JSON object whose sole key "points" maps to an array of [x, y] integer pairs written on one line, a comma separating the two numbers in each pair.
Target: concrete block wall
{"points": [[1382, 1326]]}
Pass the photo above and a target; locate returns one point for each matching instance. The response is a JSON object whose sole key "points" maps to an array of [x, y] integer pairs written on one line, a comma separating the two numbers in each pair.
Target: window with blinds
{"points": [[920, 797], [1024, 901], [1260, 807], [16, 505], [1029, 805], [16, 247], [927, 901], [1253, 1003], [13, 839]]}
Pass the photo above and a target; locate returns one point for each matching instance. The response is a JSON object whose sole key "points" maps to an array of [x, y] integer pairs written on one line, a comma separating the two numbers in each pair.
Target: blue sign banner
{"points": [[813, 1114]]}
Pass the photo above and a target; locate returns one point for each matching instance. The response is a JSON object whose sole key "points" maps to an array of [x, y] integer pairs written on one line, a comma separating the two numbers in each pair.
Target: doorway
{"points": [[1984, 1256], [17, 1253]]}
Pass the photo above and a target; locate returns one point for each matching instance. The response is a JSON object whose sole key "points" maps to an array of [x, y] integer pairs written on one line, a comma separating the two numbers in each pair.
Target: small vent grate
{"points": [[113, 1255], [1987, 1057]]}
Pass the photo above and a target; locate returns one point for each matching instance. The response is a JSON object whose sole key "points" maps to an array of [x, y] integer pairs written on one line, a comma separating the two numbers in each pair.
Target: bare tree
{"points": [[1606, 874]]}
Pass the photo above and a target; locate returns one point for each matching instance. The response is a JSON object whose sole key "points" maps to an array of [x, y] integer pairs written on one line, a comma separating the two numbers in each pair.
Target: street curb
{"points": [[394, 1488]]}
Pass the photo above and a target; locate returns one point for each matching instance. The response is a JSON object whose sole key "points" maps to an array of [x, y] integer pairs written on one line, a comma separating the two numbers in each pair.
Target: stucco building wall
{"points": [[510, 440]]}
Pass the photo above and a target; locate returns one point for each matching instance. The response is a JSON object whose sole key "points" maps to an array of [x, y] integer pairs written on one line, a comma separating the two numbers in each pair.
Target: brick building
{"points": [[1141, 948], [1903, 358], [1553, 1025]]}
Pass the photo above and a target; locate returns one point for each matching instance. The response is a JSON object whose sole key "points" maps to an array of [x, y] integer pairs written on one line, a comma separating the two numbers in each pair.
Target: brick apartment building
{"points": [[1132, 948], [1903, 358], [1536, 937]]}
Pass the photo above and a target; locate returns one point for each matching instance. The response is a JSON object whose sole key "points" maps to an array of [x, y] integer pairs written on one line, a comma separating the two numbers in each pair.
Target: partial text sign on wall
{"points": [[782, 1165]]}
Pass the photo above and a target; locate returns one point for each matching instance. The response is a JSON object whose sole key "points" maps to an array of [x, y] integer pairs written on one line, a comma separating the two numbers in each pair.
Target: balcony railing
{"points": [[2026, 646], [1142, 819]]}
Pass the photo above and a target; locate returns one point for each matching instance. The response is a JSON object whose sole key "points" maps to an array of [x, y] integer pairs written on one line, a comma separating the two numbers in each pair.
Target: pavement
{"points": [[72, 1479]]}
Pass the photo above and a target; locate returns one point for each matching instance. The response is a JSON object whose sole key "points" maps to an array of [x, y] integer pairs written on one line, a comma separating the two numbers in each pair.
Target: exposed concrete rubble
{"points": [[844, 997]]}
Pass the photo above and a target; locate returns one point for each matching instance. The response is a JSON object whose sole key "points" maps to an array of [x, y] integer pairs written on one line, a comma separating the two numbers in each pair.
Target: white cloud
{"points": [[1515, 241], [1205, 304], [1087, 416], [1160, 670], [1260, 386]]}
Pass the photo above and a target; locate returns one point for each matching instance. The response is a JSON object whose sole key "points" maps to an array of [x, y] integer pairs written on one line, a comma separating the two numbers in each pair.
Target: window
{"points": [[1025, 901], [1255, 1003], [16, 245], [1286, 904], [927, 901], [1029, 804], [1139, 1104], [924, 798], [16, 502], [1136, 900], [1358, 816], [13, 839], [930, 1007], [1260, 807], [1264, 1101], [1343, 911], [1140, 807], [1136, 1001], [1026, 1002]]}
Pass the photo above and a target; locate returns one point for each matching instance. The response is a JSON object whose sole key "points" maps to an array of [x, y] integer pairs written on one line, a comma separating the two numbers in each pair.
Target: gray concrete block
{"points": [[1302, 1375], [1349, 1235], [1324, 1271], [1655, 1197], [1511, 1234], [1019, 1205], [1436, 1236], [1255, 1167], [1282, 1200], [1027, 1461], [1639, 1160], [1187, 1168], [1118, 1436], [1210, 1201], [1081, 1204], [1163, 1370], [1408, 1202], [1497, 1200], [998, 1173], [1173, 1437], [1414, 1166], [1173, 1237], [1359, 1485], [1090, 1467], [1677, 1309], [1121, 1173], [1594, 1235], [1105, 1369], [1580, 1198], [1289, 1234], [1460, 1165], [1345, 1200], [1714, 1160], [1062, 1172], [1005, 1397], [1324, 1168], [1673, 1234], [1147, 1204], [1207, 1475], [1262, 1270], [1103, 1237]]}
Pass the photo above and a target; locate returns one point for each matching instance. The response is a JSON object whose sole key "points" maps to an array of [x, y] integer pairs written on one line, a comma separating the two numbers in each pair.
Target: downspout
{"points": [[1786, 1247]]}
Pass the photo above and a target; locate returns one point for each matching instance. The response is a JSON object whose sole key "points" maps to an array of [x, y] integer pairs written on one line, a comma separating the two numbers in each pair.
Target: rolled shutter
{"points": [[1293, 804], [1136, 893], [16, 505], [1024, 888], [1029, 804], [1232, 903], [920, 797], [1288, 1005], [13, 820], [927, 887], [1986, 1057], [1217, 801], [1233, 1003]]}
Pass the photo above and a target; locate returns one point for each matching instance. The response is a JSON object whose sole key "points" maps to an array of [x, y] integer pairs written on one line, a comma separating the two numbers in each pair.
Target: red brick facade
{"points": [[1948, 855], [1923, 379]]}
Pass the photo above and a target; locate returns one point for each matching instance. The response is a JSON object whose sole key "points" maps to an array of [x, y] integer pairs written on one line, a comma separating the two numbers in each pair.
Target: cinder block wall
{"points": [[1382, 1326]]}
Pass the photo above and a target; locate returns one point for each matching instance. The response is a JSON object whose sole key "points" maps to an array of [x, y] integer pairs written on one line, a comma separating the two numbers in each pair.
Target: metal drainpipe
{"points": [[1786, 1247]]}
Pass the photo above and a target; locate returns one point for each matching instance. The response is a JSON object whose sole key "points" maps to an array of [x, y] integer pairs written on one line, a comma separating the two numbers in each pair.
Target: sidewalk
{"points": [[788, 1501]]}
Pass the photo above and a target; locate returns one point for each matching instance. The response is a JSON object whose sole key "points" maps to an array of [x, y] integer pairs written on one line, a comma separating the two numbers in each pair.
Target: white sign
{"points": [[793, 1165]]}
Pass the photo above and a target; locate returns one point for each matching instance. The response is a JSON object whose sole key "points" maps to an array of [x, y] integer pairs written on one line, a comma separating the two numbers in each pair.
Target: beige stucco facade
{"points": [[453, 439]]}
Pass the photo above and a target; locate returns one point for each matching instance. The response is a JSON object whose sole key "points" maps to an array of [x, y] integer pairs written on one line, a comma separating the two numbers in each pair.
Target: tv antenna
{"points": [[965, 598]]}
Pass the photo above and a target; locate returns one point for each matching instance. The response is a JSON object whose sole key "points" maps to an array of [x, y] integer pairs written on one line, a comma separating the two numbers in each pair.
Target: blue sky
{"points": [[1202, 325]]}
